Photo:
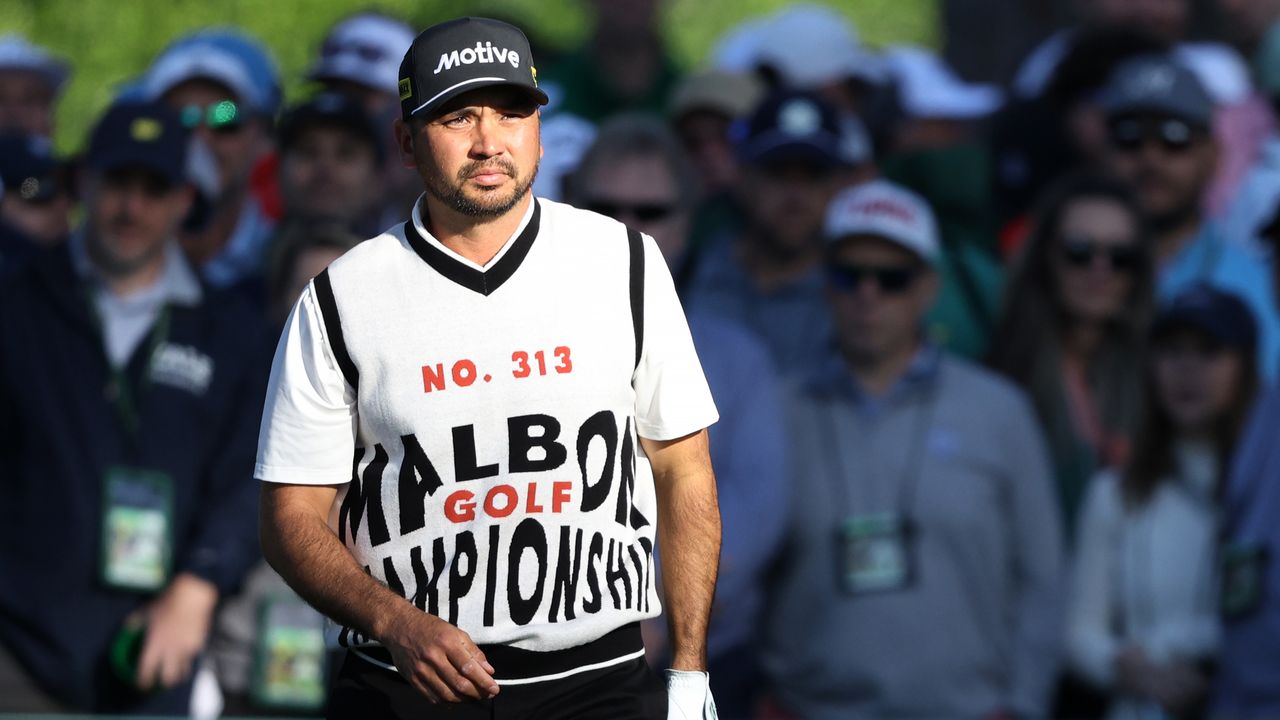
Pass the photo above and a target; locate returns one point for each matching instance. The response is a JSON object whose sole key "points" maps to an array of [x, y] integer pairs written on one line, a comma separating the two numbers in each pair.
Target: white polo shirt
{"points": [[483, 421]]}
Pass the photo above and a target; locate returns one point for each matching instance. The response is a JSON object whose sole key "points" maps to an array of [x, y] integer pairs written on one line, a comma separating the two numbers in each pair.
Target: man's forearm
{"points": [[689, 539], [300, 546]]}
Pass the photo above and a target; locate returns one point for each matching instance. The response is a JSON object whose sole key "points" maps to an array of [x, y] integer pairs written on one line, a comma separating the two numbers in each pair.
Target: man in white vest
{"points": [[480, 423]]}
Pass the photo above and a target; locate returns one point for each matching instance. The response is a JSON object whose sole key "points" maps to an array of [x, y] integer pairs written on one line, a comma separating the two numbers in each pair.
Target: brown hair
{"points": [[1028, 339], [1153, 460]]}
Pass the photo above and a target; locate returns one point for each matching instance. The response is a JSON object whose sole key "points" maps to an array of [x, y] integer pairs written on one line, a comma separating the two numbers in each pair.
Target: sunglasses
{"points": [[1174, 136], [1080, 253], [223, 117], [889, 280], [643, 212]]}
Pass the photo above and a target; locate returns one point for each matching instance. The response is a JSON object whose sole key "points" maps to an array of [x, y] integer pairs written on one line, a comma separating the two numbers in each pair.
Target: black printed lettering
{"points": [[601, 425], [528, 534], [418, 480], [521, 441]]}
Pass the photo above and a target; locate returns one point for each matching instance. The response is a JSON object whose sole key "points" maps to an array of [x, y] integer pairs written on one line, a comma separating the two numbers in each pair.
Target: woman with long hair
{"points": [[1143, 617], [1073, 330]]}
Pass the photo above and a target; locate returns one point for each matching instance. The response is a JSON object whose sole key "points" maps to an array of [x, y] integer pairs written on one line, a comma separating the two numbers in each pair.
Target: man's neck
{"points": [[876, 375], [130, 283], [771, 270], [476, 240], [1171, 241], [206, 244]]}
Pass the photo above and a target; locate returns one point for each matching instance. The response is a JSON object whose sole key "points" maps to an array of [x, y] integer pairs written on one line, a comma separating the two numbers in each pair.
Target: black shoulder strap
{"points": [[636, 247], [333, 328]]}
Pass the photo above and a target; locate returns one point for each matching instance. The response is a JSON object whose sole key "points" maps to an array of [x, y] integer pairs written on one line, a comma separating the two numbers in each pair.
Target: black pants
{"points": [[627, 691]]}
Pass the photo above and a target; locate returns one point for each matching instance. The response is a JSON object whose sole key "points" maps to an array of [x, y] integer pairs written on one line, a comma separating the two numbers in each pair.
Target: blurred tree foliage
{"points": [[112, 41]]}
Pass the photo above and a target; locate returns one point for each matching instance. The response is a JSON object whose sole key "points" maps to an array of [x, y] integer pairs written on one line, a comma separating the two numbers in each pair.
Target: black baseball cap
{"points": [[1216, 314], [461, 55], [1157, 85], [145, 135], [330, 109], [791, 126], [29, 168]]}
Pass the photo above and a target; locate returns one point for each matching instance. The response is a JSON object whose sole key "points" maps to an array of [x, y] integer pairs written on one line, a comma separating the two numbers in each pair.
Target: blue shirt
{"points": [[245, 253], [1234, 268], [1248, 681], [749, 455], [794, 320]]}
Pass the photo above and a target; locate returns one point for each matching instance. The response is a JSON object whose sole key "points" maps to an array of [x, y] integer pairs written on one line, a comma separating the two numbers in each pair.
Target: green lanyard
{"points": [[120, 390]]}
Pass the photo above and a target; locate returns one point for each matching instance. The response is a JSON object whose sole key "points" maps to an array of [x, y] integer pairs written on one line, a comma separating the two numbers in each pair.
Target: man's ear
{"points": [[404, 141]]}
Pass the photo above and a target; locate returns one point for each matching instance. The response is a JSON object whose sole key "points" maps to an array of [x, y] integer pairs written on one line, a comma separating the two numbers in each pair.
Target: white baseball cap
{"points": [[813, 45], [365, 49], [928, 88], [17, 53], [884, 210]]}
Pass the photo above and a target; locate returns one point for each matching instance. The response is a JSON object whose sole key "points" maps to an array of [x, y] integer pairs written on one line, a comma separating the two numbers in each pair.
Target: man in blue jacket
{"points": [[129, 399]]}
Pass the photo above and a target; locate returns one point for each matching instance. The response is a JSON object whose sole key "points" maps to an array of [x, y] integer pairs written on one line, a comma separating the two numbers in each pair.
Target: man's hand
{"points": [[439, 659], [177, 623], [689, 696]]}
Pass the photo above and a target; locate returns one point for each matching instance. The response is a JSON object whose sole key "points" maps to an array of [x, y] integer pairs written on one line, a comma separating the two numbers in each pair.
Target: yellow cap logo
{"points": [[534, 72], [406, 89], [145, 129]]}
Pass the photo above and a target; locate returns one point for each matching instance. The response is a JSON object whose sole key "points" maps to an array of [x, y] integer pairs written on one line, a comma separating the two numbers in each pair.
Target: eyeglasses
{"points": [[1131, 134], [222, 117], [1080, 253], [643, 212], [889, 280]]}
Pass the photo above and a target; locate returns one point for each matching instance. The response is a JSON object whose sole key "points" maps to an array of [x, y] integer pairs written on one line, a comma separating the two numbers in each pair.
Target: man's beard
{"points": [[111, 263], [490, 204]]}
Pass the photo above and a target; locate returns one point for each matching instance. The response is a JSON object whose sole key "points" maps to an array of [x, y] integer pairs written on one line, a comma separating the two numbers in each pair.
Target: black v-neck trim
{"points": [[484, 282]]}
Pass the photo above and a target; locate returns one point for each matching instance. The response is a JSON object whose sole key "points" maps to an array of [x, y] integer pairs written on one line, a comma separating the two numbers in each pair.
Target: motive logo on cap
{"points": [[485, 54], [462, 55]]}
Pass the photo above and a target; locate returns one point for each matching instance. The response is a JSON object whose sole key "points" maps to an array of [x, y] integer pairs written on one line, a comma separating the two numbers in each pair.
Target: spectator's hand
{"points": [[1182, 685], [438, 659], [689, 696], [178, 623], [1135, 673]]}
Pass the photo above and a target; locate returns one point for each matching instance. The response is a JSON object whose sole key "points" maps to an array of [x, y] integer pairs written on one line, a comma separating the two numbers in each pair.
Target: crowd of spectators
{"points": [[993, 364]]}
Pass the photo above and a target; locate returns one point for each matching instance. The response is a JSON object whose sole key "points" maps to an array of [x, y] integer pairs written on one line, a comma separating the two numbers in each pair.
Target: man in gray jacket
{"points": [[924, 565]]}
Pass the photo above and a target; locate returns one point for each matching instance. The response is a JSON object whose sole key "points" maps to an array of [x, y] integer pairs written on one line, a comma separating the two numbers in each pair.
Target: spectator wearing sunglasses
{"points": [[921, 577], [1159, 120], [1144, 623], [224, 87], [1073, 327], [766, 273], [638, 173]]}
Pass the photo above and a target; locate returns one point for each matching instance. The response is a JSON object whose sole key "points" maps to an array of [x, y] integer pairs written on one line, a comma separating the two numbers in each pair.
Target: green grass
{"points": [[111, 41]]}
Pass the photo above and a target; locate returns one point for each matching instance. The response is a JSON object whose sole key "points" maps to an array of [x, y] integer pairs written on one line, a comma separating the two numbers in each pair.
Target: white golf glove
{"points": [[689, 696]]}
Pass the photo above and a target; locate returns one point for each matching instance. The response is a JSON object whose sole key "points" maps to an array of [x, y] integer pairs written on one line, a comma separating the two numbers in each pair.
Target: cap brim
{"points": [[1202, 323], [467, 86], [785, 148], [1123, 109]]}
